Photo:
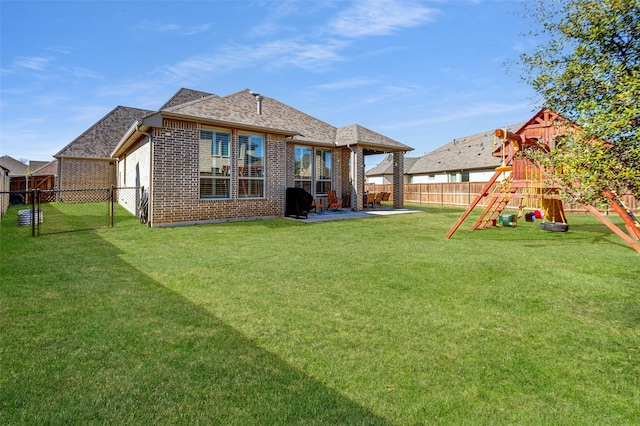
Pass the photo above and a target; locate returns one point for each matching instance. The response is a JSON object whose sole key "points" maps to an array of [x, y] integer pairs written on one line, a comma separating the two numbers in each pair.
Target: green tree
{"points": [[587, 68]]}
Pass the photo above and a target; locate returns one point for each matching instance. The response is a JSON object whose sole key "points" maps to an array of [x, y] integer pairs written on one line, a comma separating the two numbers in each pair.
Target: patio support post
{"points": [[357, 170], [398, 179]]}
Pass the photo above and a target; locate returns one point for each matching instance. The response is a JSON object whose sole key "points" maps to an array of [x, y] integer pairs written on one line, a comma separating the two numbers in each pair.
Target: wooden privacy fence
{"points": [[460, 194]]}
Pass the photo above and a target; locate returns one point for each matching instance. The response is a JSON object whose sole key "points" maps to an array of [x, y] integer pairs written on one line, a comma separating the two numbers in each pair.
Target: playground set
{"points": [[520, 185]]}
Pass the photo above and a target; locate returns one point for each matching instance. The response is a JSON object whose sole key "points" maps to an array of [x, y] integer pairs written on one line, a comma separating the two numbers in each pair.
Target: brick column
{"points": [[398, 179], [357, 177]]}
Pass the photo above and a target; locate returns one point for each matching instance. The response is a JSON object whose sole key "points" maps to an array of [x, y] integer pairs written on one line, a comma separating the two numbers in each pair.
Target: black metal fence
{"points": [[66, 210]]}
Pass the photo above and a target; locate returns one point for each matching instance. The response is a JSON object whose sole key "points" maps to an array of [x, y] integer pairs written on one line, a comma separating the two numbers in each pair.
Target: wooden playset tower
{"points": [[521, 185]]}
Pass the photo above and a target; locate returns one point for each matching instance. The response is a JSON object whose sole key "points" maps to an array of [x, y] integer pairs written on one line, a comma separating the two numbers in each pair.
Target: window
{"points": [[215, 164], [250, 166], [303, 165], [465, 176], [310, 169], [323, 170]]}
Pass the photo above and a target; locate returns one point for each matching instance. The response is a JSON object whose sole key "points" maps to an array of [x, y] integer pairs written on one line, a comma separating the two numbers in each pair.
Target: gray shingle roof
{"points": [[50, 168], [35, 165], [361, 135], [100, 139], [385, 167], [185, 95], [472, 152], [15, 167], [242, 108]]}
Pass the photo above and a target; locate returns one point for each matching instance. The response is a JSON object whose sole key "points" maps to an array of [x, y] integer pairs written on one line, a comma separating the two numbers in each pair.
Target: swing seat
{"points": [[554, 226], [507, 220], [504, 168]]}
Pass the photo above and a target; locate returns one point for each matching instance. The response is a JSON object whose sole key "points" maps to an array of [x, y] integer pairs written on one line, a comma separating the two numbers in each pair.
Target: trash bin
{"points": [[24, 216]]}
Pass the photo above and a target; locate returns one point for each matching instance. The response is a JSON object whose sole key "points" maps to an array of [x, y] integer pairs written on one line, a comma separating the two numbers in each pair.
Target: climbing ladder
{"points": [[492, 211]]}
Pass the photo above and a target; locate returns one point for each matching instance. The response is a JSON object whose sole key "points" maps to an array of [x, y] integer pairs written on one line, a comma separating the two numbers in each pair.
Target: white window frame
{"points": [[251, 173], [208, 160], [319, 164], [304, 180]]}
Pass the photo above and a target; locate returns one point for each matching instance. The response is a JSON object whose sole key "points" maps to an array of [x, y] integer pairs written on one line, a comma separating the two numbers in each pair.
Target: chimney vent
{"points": [[258, 102]]}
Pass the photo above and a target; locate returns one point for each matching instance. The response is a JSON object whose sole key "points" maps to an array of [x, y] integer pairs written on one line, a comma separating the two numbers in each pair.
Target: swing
{"points": [[503, 168], [533, 177]]}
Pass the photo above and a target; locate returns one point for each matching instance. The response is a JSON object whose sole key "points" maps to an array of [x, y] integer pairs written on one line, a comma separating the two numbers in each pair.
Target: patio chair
{"points": [[317, 204], [386, 196], [377, 201], [371, 198], [335, 203]]}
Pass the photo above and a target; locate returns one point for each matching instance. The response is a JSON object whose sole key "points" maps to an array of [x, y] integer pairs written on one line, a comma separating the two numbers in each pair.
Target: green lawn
{"points": [[279, 322]]}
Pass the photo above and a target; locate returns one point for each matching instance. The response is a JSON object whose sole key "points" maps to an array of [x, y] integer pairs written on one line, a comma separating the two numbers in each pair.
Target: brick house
{"points": [[215, 158], [86, 161]]}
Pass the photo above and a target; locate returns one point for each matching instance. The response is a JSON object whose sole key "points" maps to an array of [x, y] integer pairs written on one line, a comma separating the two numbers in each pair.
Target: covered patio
{"points": [[371, 143]]}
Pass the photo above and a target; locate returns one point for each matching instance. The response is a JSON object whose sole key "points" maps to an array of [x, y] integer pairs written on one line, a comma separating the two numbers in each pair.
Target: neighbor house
{"points": [[86, 161], [464, 159], [382, 173], [4, 189], [222, 158], [18, 173], [44, 177]]}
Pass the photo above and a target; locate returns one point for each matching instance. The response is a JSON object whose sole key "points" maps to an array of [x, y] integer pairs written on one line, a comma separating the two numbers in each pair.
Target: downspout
{"points": [[150, 206]]}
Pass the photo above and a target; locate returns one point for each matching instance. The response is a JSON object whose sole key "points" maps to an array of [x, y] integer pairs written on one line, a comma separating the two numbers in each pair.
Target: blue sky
{"points": [[420, 72]]}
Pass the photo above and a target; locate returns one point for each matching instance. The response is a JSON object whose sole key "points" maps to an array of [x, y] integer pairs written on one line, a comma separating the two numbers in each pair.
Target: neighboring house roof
{"points": [[100, 139], [50, 168], [35, 165], [472, 152], [385, 167], [15, 167], [254, 111], [184, 95]]}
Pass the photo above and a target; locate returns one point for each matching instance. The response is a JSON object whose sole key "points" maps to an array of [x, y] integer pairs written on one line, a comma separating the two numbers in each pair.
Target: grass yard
{"points": [[377, 321]]}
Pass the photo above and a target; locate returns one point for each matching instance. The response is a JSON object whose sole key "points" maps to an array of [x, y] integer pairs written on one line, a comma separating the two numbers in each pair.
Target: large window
{"points": [[215, 164], [310, 169], [250, 166], [323, 170], [303, 167]]}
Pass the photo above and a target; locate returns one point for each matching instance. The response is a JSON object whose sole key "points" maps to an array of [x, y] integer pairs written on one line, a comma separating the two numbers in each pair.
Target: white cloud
{"points": [[196, 29], [36, 63], [272, 54], [460, 114], [79, 72], [380, 17], [161, 27], [347, 84]]}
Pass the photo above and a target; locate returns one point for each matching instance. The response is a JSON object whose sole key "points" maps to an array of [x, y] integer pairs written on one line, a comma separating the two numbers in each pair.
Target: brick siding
{"points": [[176, 179]]}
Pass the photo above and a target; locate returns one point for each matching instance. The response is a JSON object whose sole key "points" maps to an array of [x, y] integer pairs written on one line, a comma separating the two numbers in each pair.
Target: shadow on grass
{"points": [[89, 339]]}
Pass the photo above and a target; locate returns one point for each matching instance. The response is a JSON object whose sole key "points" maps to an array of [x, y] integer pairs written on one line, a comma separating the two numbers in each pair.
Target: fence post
{"points": [[111, 211], [34, 220]]}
